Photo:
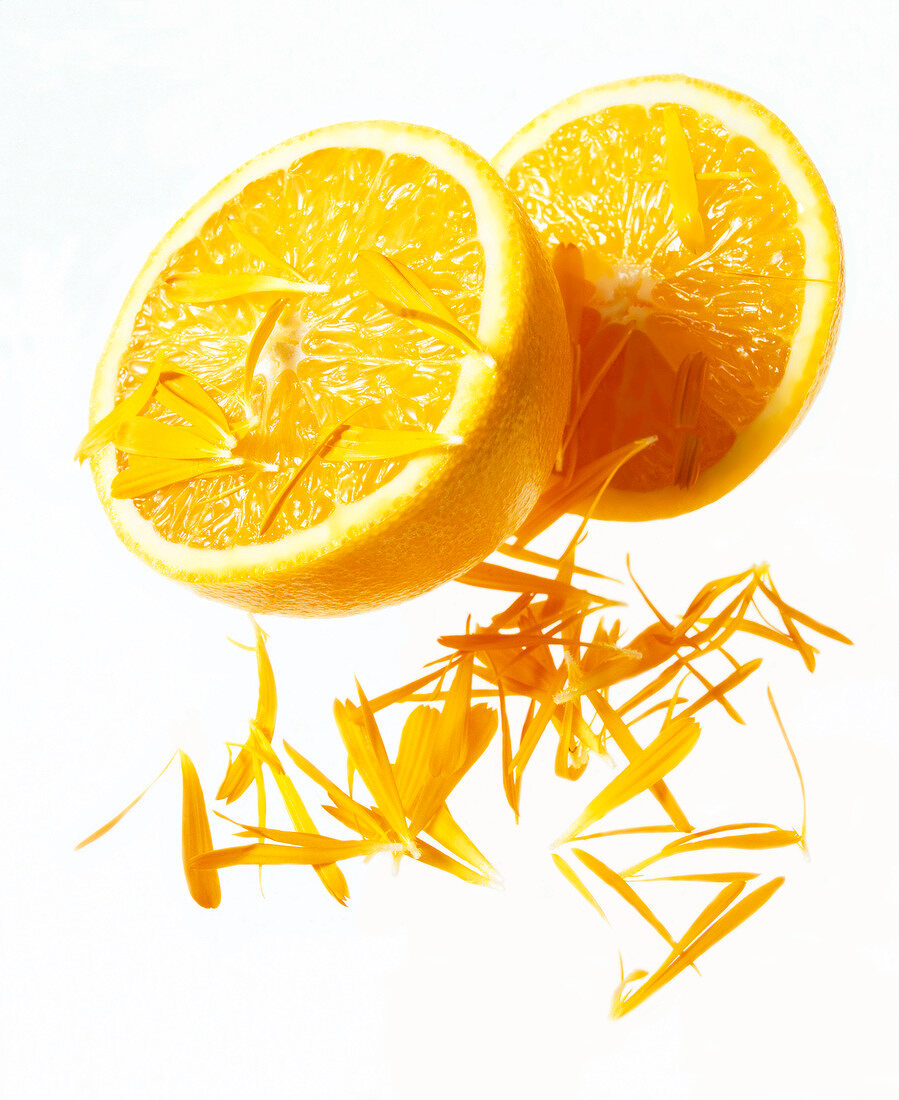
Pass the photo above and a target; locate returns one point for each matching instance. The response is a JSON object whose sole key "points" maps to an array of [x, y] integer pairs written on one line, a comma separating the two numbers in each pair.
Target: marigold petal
{"points": [[196, 839]]}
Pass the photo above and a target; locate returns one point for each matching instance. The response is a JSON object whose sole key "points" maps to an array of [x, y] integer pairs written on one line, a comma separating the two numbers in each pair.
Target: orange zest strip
{"points": [[569, 873], [331, 851], [104, 430], [625, 891], [628, 744], [794, 758], [661, 756], [681, 180], [405, 294], [118, 817], [731, 919], [260, 338], [196, 839]]}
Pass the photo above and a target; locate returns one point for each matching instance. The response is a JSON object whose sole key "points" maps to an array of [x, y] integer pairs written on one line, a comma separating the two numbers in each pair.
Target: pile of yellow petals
{"points": [[555, 647]]}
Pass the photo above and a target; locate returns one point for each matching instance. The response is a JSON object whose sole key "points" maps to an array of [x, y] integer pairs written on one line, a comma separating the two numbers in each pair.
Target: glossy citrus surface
{"points": [[260, 295], [701, 262]]}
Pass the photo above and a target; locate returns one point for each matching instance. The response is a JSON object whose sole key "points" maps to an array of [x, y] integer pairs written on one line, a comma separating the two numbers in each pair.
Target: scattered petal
{"points": [[118, 817], [196, 839]]}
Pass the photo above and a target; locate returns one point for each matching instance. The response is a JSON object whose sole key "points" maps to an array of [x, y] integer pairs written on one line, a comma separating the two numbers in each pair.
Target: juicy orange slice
{"points": [[701, 264], [340, 379]]}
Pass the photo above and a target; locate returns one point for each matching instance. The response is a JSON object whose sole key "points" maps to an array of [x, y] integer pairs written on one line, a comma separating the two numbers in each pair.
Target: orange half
{"points": [[340, 380], [700, 260]]}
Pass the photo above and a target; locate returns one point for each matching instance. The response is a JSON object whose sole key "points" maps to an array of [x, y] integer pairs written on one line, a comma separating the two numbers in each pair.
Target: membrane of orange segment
{"points": [[702, 285], [294, 310]]}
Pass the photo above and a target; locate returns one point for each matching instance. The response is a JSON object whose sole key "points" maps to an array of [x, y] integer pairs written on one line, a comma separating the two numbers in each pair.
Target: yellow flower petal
{"points": [[196, 839], [141, 435], [405, 294], [663, 755], [625, 891], [202, 289], [240, 771], [385, 444], [277, 854], [147, 475], [104, 430], [118, 817], [731, 919]]}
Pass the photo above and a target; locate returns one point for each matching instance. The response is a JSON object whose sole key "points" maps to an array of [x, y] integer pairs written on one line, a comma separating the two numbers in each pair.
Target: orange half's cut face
{"points": [[264, 268], [339, 380], [700, 262]]}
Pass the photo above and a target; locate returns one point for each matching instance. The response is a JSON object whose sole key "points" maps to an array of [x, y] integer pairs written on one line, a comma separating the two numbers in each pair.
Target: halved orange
{"points": [[701, 264], [340, 380]]}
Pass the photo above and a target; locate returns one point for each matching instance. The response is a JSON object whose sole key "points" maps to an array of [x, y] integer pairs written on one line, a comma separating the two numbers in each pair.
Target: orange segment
{"points": [[702, 271]]}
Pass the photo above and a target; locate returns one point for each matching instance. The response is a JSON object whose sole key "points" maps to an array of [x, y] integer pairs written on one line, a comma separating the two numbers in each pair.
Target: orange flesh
{"points": [[329, 354], [732, 293]]}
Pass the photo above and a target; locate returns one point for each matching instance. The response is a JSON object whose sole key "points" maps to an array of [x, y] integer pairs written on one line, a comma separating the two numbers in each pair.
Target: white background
{"points": [[117, 116]]}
